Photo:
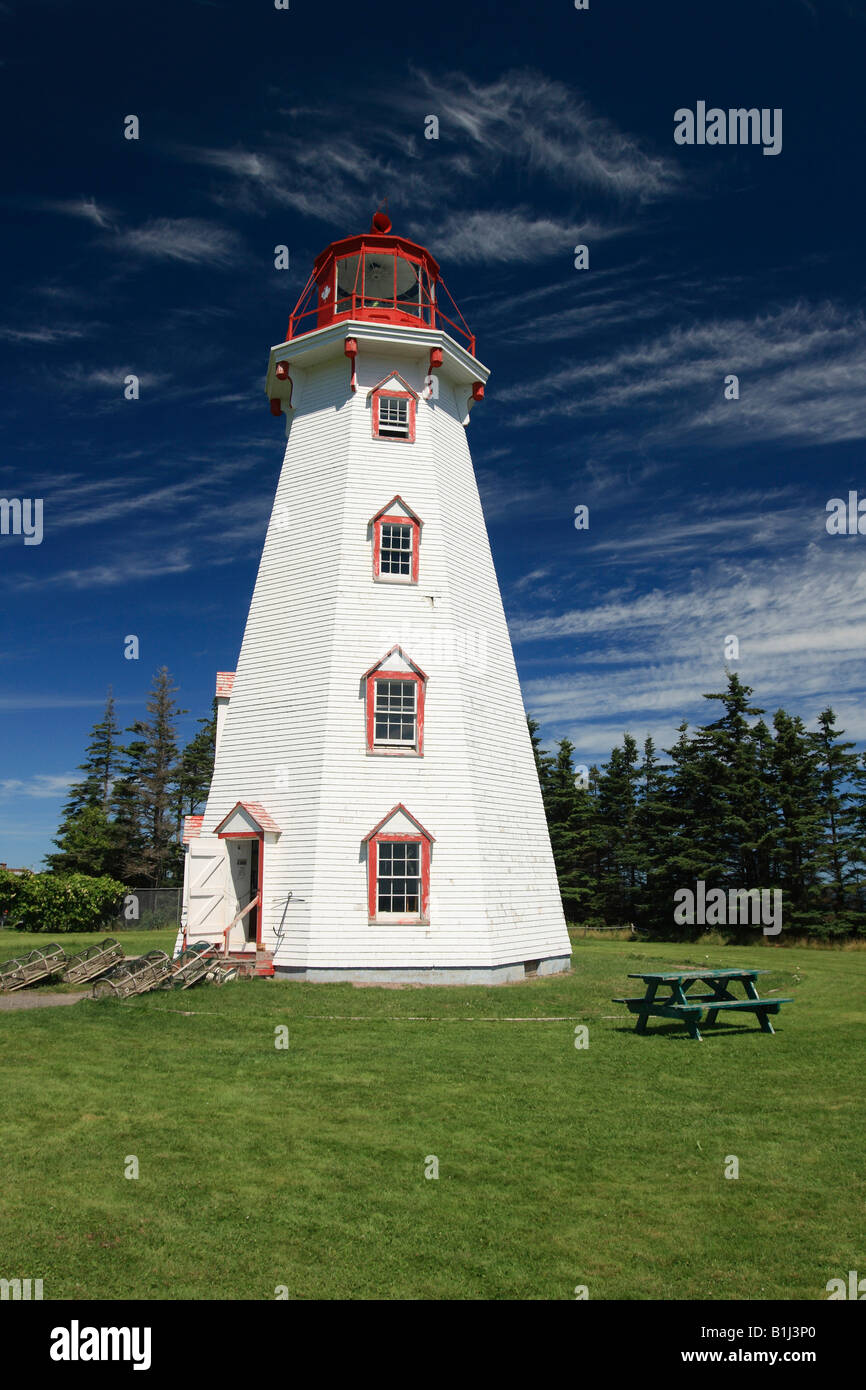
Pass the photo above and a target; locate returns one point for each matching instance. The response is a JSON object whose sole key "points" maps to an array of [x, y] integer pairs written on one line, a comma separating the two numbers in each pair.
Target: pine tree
{"points": [[126, 805], [762, 814], [542, 759], [617, 807], [690, 852], [100, 765], [796, 792], [86, 839], [196, 767], [858, 840], [155, 770], [88, 845], [838, 771], [732, 785], [652, 829], [574, 836]]}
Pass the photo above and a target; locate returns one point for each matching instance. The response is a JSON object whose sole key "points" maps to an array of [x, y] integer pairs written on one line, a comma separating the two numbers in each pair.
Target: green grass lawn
{"points": [[557, 1166]]}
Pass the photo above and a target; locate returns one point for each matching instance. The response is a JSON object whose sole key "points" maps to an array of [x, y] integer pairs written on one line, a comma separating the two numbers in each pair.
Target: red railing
{"points": [[425, 310]]}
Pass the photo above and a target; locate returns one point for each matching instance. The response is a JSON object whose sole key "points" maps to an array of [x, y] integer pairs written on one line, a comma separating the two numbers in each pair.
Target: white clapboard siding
{"points": [[294, 735]]}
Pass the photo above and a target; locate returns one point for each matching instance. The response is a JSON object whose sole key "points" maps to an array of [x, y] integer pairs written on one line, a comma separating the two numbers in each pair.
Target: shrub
{"points": [[10, 895], [61, 902]]}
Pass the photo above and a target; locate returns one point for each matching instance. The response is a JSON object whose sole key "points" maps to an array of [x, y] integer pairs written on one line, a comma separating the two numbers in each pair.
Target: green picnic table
{"points": [[679, 1003]]}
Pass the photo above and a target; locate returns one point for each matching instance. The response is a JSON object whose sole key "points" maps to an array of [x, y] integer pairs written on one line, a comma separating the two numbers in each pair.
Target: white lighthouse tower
{"points": [[375, 813]]}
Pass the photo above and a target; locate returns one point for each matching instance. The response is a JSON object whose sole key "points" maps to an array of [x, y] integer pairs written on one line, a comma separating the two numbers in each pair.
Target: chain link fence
{"points": [[149, 909]]}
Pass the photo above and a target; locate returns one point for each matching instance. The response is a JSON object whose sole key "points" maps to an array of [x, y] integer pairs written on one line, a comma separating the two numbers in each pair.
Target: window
{"points": [[398, 877], [395, 706], [398, 869], [393, 417], [395, 554], [396, 543], [393, 409], [396, 715]]}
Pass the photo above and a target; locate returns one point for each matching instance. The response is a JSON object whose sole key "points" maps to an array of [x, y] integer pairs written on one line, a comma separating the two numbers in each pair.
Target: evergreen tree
{"points": [[542, 759], [100, 765], [730, 772], [155, 772], [573, 824], [126, 804], [86, 840], [839, 775], [690, 854], [621, 855], [87, 845], [795, 785], [858, 840], [196, 767], [762, 815], [739, 805], [651, 828]]}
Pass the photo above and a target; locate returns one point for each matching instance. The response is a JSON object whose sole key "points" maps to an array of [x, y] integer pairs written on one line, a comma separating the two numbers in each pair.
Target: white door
{"points": [[208, 870]]}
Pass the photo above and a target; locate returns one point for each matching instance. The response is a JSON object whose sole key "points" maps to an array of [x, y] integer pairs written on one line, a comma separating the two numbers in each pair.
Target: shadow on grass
{"points": [[677, 1033]]}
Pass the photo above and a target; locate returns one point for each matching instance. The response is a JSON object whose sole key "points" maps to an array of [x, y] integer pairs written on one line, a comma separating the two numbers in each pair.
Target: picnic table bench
{"points": [[688, 1007]]}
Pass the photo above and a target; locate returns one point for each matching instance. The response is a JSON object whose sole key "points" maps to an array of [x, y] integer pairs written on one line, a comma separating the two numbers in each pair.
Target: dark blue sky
{"points": [[259, 127]]}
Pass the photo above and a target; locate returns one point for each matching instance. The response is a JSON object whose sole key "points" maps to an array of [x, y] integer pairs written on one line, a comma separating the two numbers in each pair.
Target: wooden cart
{"points": [[93, 961], [17, 974], [133, 977]]}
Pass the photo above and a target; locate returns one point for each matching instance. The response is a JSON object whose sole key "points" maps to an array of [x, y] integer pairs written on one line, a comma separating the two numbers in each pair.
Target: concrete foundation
{"points": [[435, 975]]}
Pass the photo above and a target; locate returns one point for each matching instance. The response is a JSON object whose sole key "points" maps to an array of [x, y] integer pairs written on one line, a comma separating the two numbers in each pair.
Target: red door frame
{"points": [[253, 835]]}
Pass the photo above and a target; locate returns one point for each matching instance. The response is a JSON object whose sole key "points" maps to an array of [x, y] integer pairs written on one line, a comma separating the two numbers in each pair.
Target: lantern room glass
{"points": [[379, 280]]}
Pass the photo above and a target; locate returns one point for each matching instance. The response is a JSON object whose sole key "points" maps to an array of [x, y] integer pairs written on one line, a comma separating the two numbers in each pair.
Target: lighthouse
{"points": [[375, 813]]}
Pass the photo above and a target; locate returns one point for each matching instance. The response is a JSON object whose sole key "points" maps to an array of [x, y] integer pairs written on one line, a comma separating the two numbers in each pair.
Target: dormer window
{"points": [[395, 553], [398, 869], [393, 421], [393, 404], [396, 535], [395, 689]]}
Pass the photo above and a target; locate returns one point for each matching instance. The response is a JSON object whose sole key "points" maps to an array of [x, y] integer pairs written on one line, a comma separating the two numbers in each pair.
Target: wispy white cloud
{"points": [[124, 569], [801, 369], [78, 377], [88, 208], [186, 239], [44, 335], [529, 118], [43, 784], [640, 660], [513, 235], [541, 132]]}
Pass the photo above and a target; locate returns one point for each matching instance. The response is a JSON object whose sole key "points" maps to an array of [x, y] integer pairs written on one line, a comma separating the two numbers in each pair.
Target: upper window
{"points": [[395, 705], [393, 408], [395, 552], [393, 417], [396, 713], [396, 543]]}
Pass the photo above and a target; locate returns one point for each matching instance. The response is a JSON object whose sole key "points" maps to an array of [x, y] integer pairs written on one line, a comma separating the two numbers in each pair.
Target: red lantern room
{"points": [[380, 278]]}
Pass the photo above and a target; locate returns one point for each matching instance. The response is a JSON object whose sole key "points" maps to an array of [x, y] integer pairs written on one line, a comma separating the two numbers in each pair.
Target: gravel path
{"points": [[26, 999]]}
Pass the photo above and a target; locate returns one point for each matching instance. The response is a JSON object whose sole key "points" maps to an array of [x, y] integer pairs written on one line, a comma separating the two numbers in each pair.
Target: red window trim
{"points": [[392, 438], [380, 750], [377, 549], [373, 876]]}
